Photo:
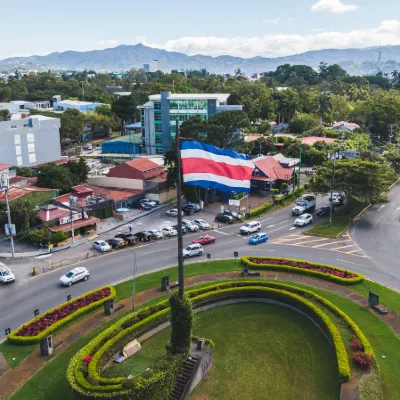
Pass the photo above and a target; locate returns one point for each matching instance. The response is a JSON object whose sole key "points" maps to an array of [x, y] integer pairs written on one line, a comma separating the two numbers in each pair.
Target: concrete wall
{"points": [[30, 141], [162, 197], [124, 183]]}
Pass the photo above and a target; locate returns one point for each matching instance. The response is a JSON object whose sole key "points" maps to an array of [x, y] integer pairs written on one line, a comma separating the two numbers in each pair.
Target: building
{"points": [[36, 195], [269, 174], [5, 168], [30, 141], [127, 144], [159, 115], [141, 169], [82, 106], [154, 66], [133, 128], [338, 126], [31, 105]]}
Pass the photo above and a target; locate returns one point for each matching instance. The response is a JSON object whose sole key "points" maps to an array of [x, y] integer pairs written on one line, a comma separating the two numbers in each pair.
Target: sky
{"points": [[211, 27]]}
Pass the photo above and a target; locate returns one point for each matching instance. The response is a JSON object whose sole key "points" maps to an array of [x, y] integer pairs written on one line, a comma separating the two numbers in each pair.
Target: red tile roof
{"points": [[142, 164], [51, 215], [15, 180], [272, 169], [57, 162], [113, 193], [310, 140], [18, 191], [4, 166], [77, 224], [81, 189]]}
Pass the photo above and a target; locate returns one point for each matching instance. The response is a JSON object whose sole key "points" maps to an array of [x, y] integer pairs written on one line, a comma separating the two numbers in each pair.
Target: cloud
{"points": [[334, 6], [272, 21], [386, 33], [107, 42]]}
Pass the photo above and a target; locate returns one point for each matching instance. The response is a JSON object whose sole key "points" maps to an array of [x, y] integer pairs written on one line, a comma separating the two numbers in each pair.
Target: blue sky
{"points": [[214, 27]]}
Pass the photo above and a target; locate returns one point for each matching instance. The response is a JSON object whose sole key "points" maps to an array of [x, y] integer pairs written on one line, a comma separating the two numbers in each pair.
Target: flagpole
{"points": [[179, 206]]}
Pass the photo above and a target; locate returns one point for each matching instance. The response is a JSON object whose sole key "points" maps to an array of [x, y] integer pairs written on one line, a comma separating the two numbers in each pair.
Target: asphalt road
{"points": [[20, 299], [378, 234]]}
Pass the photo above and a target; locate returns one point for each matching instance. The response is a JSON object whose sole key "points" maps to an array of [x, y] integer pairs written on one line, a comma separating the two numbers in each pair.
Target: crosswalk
{"points": [[343, 244]]}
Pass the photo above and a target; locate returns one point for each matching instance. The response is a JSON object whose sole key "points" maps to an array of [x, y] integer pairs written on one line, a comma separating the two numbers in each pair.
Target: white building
{"points": [[31, 105], [82, 106], [30, 141]]}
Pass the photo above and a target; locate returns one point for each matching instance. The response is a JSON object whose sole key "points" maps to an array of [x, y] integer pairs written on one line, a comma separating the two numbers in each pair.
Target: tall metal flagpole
{"points": [[134, 282], [179, 206], [9, 224]]}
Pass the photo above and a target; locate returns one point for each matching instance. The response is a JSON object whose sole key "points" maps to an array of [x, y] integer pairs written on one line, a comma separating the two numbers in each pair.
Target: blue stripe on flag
{"points": [[192, 145], [218, 186]]}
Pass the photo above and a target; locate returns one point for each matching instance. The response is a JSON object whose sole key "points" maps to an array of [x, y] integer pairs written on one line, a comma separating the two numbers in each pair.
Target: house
{"points": [[30, 141], [31, 105], [5, 168], [127, 144], [270, 174], [133, 128], [338, 126], [34, 194], [22, 181], [140, 168], [122, 198], [82, 106]]}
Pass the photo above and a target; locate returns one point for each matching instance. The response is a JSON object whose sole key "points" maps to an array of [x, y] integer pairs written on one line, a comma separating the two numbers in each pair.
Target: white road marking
{"points": [[222, 233], [154, 251], [242, 237], [382, 206], [280, 223], [266, 219], [258, 249], [394, 203], [397, 209], [293, 227], [348, 262], [284, 226], [44, 256]]}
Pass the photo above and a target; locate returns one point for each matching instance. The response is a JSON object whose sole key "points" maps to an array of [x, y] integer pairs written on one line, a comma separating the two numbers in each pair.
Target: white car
{"points": [[101, 245], [202, 224], [156, 234], [193, 250], [75, 275], [169, 231], [174, 212], [303, 220], [190, 225], [250, 227], [6, 274], [149, 202]]}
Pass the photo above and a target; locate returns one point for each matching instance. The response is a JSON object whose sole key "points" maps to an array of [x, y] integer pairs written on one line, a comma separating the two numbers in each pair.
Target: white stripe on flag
{"points": [[216, 178], [211, 156]]}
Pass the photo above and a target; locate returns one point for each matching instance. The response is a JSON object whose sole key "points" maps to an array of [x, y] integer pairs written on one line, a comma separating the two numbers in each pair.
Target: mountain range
{"points": [[121, 58]]}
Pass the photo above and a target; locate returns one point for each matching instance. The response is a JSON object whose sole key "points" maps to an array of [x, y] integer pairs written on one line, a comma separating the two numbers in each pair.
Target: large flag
{"points": [[210, 167]]}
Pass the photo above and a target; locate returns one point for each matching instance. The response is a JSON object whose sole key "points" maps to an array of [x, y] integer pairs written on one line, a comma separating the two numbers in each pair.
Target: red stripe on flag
{"points": [[201, 165]]}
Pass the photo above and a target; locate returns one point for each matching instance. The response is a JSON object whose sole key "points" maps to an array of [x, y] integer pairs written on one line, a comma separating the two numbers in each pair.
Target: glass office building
{"points": [[160, 113]]}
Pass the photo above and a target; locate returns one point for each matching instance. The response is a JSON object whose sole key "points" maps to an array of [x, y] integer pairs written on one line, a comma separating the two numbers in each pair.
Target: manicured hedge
{"points": [[358, 278], [86, 382], [15, 339]]}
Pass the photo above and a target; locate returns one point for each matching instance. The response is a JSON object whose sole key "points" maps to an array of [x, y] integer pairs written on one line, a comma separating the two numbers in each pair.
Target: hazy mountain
{"points": [[355, 61]]}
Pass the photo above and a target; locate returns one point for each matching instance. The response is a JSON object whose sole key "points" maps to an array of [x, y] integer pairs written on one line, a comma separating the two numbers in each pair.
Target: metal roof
{"points": [[221, 97]]}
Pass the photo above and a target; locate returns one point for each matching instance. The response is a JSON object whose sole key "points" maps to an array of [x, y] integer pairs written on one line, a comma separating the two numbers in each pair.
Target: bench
{"points": [[380, 308]]}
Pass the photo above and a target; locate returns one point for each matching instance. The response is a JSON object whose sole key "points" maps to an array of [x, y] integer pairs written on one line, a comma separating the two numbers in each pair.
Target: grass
{"points": [[339, 225], [382, 338]]}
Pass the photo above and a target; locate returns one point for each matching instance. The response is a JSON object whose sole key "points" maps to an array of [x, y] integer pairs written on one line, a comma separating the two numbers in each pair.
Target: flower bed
{"points": [[39, 327], [323, 271]]}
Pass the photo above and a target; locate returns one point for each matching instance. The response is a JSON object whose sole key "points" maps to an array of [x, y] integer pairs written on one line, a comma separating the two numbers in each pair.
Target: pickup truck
{"points": [[304, 204]]}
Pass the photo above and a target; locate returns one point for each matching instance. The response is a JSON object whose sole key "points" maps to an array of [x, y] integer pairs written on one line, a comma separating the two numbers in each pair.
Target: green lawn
{"points": [[382, 338], [339, 224]]}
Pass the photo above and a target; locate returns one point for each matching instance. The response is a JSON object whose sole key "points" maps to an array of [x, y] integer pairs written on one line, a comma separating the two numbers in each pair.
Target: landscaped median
{"points": [[41, 326], [84, 373], [323, 271]]}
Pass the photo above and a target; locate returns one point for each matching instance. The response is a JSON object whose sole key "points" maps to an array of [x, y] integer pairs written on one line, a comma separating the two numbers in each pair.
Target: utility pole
{"points": [[72, 201], [301, 153], [134, 282], [5, 187], [179, 206], [391, 134]]}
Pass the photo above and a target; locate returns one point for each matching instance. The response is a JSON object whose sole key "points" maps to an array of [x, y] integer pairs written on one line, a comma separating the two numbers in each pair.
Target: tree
{"points": [[5, 115], [24, 171], [324, 106], [79, 171], [72, 125], [125, 109], [358, 141], [361, 181], [55, 177], [23, 214], [303, 123], [393, 159]]}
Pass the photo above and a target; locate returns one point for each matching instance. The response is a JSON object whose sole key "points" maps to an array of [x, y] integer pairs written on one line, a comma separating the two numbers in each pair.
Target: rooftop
{"points": [[142, 164], [16, 192], [114, 194], [272, 169], [133, 138], [77, 102], [4, 166], [221, 97]]}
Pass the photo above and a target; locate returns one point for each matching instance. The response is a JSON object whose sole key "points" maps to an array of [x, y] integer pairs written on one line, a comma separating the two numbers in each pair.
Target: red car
{"points": [[204, 239]]}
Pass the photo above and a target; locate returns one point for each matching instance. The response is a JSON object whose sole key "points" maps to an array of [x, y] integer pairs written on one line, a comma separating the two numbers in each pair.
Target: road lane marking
{"points": [[327, 244], [351, 252], [266, 219], [313, 240], [284, 226], [293, 227], [348, 262], [380, 208], [394, 203], [258, 249], [342, 247], [154, 251], [280, 223], [241, 236], [222, 233]]}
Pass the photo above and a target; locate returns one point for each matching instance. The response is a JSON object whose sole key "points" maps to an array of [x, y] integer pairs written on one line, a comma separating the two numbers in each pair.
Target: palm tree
{"points": [[396, 76], [324, 106]]}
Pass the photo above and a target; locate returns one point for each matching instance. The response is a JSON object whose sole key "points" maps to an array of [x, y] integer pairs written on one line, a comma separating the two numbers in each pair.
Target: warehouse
{"points": [[127, 144]]}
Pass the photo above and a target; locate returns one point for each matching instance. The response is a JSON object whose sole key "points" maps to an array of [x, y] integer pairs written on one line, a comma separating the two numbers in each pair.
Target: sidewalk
{"points": [[104, 226], [13, 379]]}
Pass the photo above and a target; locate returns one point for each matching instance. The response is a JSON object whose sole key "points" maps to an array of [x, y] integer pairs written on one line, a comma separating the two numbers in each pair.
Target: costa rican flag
{"points": [[208, 166]]}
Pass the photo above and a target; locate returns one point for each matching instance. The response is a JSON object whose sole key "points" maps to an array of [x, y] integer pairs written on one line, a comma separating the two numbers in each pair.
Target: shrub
{"points": [[362, 359], [41, 326], [356, 344], [323, 271], [181, 323]]}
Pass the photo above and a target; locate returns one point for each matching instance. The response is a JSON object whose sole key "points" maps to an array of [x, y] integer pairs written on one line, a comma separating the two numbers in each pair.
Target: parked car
{"points": [[323, 211], [174, 212], [204, 239], [75, 275], [143, 236], [258, 238], [250, 227], [117, 243], [193, 206], [202, 224], [226, 219], [236, 216], [184, 228], [188, 210], [128, 237], [193, 250], [149, 202], [101, 245], [338, 201], [156, 234], [6, 274], [303, 220], [141, 206], [169, 231], [190, 225]]}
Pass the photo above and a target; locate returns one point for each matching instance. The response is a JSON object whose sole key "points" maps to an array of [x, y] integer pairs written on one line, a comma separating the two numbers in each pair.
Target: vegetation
{"points": [[323, 229], [181, 323]]}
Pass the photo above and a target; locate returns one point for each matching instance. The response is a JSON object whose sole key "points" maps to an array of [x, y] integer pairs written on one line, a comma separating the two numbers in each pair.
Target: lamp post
{"points": [[301, 153], [134, 281], [5, 186], [179, 206]]}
